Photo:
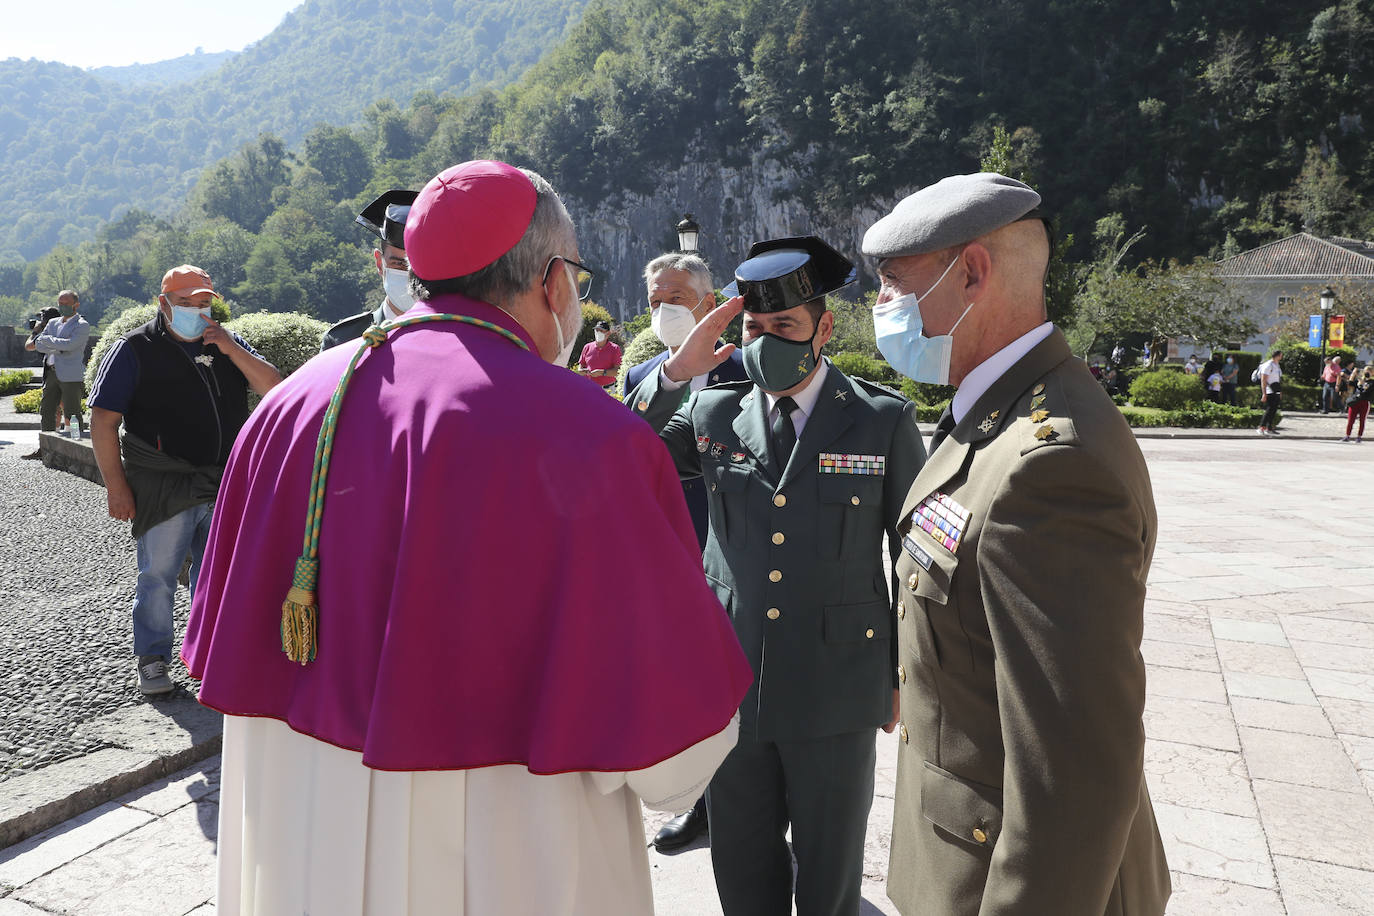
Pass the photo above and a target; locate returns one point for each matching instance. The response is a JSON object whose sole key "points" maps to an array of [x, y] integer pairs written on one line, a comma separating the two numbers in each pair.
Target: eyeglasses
{"points": [[582, 272]]}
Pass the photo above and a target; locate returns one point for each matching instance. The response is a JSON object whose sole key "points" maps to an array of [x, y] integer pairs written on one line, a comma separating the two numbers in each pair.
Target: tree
{"points": [[1161, 300], [1321, 196], [338, 156], [1354, 300]]}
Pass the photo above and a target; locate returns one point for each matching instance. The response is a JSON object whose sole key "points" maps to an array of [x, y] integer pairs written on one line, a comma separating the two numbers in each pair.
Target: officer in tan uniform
{"points": [[1026, 541]]}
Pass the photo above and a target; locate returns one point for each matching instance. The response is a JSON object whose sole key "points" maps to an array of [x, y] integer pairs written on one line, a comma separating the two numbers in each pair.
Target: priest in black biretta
{"points": [[806, 470]]}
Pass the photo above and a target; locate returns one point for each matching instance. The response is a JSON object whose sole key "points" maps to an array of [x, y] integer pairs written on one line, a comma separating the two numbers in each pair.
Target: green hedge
{"points": [[128, 319], [923, 393], [12, 380], [284, 339], [1166, 390], [1295, 396], [1203, 415], [1303, 364], [860, 365]]}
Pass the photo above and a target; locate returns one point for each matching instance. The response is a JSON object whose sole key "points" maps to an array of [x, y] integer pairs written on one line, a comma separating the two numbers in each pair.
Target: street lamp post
{"points": [[1328, 300], [687, 234]]}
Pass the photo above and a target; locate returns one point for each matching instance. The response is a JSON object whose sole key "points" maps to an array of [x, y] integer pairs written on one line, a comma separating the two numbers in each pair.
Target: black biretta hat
{"points": [[782, 273], [386, 216]]}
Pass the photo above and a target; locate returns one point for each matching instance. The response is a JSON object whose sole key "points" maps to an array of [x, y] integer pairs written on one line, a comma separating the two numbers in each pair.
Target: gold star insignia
{"points": [[1040, 416], [1038, 388], [1045, 432], [1037, 401]]}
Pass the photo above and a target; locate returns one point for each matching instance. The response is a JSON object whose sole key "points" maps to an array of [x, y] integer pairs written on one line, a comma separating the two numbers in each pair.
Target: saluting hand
{"points": [[698, 353]]}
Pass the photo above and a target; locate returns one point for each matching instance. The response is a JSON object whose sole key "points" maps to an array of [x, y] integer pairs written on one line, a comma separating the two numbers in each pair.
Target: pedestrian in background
{"points": [[1270, 377], [179, 385], [1230, 378], [600, 358], [62, 341], [1357, 404], [1331, 380]]}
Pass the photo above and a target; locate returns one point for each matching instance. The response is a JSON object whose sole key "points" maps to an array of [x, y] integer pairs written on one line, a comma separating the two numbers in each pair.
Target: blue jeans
{"points": [[1330, 398], [161, 551]]}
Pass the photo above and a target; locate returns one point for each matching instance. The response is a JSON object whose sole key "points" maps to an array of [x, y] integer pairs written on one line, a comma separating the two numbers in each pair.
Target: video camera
{"points": [[40, 320]]}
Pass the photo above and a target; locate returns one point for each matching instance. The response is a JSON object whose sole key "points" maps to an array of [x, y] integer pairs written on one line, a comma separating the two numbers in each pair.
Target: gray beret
{"points": [[950, 212]]}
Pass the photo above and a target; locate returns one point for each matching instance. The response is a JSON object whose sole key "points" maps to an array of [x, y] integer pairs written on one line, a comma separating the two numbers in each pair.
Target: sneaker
{"points": [[34, 455], [1273, 431], [1263, 431], [152, 675], [1345, 439]]}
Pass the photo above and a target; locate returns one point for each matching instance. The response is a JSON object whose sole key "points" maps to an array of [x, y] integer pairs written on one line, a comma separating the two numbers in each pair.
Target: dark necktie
{"points": [[784, 433], [942, 429]]}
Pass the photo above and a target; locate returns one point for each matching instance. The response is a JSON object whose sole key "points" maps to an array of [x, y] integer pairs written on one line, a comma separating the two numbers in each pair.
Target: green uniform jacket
{"points": [[1020, 774], [352, 327], [797, 562]]}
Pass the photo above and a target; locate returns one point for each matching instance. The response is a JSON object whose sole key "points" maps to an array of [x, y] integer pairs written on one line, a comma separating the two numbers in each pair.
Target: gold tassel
{"points": [[299, 619], [300, 615]]}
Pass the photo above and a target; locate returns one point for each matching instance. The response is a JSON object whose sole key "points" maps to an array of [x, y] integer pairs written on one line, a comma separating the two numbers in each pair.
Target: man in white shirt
{"points": [[1271, 385]]}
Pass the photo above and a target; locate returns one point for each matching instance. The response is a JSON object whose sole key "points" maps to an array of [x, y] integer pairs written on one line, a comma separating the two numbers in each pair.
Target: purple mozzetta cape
{"points": [[468, 614]]}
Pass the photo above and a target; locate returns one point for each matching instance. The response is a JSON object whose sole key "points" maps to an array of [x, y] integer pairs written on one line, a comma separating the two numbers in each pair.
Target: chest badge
{"points": [[1045, 432], [703, 443], [737, 456], [205, 359], [840, 395], [717, 449], [866, 465], [941, 517], [991, 420]]}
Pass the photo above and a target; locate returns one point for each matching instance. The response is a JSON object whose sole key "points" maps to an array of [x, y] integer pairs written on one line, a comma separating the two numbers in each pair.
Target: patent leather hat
{"points": [[783, 273], [386, 216]]}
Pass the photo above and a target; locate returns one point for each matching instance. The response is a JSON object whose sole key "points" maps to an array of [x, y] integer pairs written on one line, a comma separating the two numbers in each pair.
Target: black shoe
{"points": [[34, 455], [683, 829]]}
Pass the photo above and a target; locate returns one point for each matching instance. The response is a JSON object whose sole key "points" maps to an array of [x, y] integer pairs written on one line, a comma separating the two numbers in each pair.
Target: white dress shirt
{"points": [[977, 382]]}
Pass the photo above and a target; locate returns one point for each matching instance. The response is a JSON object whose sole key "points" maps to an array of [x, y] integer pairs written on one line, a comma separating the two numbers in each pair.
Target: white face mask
{"points": [[574, 318], [672, 323], [899, 329], [600, 336], [397, 286]]}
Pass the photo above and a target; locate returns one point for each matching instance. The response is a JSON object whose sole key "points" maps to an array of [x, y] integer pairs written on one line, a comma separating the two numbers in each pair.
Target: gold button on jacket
{"points": [[778, 537], [775, 576], [774, 613]]}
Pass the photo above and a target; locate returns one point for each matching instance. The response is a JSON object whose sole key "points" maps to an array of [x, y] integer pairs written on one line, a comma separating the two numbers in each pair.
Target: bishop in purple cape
{"points": [[476, 672]]}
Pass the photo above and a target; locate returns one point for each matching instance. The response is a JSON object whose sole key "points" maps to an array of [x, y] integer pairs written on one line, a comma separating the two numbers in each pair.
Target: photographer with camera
{"points": [[62, 341]]}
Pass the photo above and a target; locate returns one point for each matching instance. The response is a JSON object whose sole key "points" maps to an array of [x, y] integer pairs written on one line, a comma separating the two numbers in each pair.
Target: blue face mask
{"points": [[898, 328], [189, 323]]}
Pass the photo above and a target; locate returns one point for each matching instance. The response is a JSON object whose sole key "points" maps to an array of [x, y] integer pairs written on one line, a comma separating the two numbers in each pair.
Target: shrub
{"points": [[644, 346], [12, 380], [28, 402], [1303, 364], [1247, 363], [1165, 389], [858, 365], [126, 321], [284, 339], [923, 393], [1204, 415], [930, 413]]}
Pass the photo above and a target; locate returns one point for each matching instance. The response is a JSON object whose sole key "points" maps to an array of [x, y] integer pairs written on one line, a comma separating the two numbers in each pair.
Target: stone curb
{"points": [[149, 741]]}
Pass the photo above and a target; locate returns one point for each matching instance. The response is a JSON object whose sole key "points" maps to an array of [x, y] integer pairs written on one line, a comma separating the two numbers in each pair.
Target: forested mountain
{"points": [[165, 72], [78, 148], [1209, 125]]}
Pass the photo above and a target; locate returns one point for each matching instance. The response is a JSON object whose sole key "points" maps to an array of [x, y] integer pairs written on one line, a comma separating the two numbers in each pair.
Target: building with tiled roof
{"points": [[1295, 269]]}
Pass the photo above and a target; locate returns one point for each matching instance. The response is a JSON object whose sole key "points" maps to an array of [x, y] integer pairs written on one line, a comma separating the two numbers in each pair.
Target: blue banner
{"points": [[1314, 330]]}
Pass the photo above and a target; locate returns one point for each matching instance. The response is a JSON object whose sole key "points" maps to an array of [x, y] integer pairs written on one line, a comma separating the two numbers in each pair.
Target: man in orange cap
{"points": [[179, 384]]}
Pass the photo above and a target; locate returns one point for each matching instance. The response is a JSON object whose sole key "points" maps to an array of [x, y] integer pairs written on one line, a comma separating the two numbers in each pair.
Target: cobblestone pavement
{"points": [[1259, 637], [67, 575]]}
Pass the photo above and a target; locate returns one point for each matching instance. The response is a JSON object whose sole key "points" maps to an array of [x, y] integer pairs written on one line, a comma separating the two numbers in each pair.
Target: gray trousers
{"points": [[823, 788], [68, 393]]}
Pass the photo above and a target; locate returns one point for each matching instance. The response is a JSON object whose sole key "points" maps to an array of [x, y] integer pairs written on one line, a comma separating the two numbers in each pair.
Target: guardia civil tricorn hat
{"points": [[782, 273], [386, 216]]}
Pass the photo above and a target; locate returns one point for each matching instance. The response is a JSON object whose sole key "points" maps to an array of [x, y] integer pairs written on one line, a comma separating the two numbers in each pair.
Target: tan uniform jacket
{"points": [[1020, 786]]}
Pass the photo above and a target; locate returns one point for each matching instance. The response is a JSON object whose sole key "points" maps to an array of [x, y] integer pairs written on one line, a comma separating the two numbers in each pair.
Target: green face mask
{"points": [[776, 364], [66, 311]]}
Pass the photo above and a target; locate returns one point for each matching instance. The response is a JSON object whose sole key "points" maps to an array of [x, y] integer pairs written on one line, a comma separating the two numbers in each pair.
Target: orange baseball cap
{"points": [[186, 280]]}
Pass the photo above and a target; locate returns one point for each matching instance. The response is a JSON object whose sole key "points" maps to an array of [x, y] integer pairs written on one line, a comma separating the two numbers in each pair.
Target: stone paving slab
{"points": [[1259, 720]]}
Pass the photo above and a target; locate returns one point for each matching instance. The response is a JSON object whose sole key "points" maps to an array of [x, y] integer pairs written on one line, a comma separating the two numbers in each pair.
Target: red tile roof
{"points": [[1304, 256]]}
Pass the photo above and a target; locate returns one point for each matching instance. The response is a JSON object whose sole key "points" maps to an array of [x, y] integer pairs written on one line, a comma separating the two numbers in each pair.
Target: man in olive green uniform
{"points": [[805, 470], [385, 218], [1026, 541]]}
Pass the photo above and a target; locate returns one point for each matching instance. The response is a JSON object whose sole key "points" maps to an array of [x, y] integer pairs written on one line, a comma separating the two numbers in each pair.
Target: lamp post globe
{"points": [[687, 234]]}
